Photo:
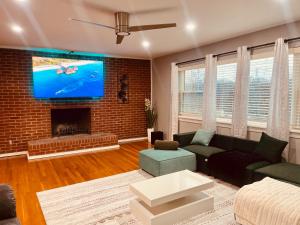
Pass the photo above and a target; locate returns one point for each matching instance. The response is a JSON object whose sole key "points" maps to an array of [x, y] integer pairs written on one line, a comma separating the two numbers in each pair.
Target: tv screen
{"points": [[67, 78]]}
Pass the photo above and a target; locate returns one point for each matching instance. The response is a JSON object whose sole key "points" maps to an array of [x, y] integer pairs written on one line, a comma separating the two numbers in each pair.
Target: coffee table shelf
{"points": [[171, 198]]}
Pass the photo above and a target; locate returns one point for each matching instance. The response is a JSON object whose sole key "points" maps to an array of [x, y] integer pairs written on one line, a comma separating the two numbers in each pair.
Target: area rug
{"points": [[105, 201]]}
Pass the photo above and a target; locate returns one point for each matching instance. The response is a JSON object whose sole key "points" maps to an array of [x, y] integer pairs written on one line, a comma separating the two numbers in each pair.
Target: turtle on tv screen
{"points": [[60, 78]]}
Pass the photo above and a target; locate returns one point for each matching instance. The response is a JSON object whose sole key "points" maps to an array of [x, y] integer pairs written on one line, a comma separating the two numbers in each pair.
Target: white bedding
{"points": [[268, 202]]}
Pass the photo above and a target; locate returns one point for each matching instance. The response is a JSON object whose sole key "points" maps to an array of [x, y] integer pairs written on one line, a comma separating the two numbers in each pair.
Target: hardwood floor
{"points": [[27, 178]]}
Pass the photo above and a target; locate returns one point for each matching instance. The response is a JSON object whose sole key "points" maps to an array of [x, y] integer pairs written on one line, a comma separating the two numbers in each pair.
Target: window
{"points": [[259, 89], [191, 84], [226, 74]]}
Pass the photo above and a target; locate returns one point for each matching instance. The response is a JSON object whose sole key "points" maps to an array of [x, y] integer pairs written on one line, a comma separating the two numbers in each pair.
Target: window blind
{"points": [[226, 74], [191, 84], [259, 89]]}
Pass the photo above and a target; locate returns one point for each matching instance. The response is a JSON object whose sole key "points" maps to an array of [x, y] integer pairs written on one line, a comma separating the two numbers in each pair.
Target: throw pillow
{"points": [[202, 137], [165, 145], [270, 148]]}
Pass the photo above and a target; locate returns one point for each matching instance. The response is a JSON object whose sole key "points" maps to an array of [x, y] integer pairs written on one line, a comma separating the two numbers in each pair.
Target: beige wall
{"points": [[161, 67]]}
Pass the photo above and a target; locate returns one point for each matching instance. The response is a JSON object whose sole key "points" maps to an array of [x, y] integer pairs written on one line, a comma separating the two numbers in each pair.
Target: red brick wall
{"points": [[23, 118]]}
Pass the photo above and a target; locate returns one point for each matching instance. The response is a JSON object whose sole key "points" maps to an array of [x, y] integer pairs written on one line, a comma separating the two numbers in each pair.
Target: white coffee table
{"points": [[171, 198]]}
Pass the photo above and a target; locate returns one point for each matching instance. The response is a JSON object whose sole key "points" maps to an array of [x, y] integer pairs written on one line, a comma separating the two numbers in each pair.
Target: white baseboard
{"points": [[121, 141], [128, 140], [87, 150], [13, 154]]}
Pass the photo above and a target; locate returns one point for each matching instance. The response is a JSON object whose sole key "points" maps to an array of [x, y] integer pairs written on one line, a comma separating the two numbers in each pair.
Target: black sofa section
{"points": [[235, 166], [228, 158], [7, 206]]}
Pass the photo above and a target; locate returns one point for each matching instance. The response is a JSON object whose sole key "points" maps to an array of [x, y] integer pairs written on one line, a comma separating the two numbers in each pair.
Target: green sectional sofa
{"points": [[228, 151]]}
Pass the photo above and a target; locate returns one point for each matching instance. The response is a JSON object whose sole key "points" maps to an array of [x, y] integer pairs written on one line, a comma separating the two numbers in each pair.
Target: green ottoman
{"points": [[161, 162]]}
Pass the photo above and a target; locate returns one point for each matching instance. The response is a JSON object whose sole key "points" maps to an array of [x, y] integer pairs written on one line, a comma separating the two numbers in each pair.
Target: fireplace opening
{"points": [[70, 121]]}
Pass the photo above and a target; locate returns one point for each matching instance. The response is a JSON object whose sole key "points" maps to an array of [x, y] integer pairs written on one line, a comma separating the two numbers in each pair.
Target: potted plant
{"points": [[151, 117]]}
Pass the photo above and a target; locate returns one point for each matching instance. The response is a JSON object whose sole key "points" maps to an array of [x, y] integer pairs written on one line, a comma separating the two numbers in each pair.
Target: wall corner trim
{"points": [[128, 140]]}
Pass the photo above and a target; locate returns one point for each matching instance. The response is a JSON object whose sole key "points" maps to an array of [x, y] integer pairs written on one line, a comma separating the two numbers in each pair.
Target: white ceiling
{"points": [[46, 24]]}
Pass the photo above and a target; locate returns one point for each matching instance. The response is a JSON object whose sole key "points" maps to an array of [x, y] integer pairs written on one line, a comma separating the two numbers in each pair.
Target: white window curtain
{"points": [[173, 129], [278, 117], [240, 106], [209, 94]]}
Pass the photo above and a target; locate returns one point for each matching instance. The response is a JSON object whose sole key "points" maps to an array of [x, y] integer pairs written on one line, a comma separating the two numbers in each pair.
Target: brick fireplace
{"points": [[71, 133]]}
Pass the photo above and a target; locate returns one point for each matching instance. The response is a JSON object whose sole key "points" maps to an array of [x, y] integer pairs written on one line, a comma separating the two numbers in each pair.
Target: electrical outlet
{"points": [[10, 142]]}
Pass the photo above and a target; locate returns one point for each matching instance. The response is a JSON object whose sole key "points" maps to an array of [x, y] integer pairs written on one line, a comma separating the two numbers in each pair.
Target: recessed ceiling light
{"points": [[190, 26], [16, 28], [146, 44]]}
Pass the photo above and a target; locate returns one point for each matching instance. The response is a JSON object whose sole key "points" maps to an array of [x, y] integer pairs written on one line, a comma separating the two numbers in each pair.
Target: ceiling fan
{"points": [[122, 27]]}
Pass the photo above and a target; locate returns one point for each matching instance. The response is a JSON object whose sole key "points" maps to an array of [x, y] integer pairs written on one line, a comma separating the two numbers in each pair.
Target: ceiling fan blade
{"points": [[151, 27], [92, 23], [152, 11], [119, 39], [91, 5]]}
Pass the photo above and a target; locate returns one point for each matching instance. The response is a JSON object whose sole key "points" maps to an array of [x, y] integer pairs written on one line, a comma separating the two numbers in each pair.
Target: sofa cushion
{"points": [[222, 141], [282, 171], [257, 165], [270, 148], [205, 151], [202, 137]]}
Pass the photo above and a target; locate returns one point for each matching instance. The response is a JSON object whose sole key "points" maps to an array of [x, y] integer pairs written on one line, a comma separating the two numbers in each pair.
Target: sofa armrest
{"points": [[7, 202], [184, 139]]}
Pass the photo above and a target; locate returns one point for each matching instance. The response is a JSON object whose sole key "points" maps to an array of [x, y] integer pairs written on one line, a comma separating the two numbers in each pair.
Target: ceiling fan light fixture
{"points": [[122, 23], [123, 33]]}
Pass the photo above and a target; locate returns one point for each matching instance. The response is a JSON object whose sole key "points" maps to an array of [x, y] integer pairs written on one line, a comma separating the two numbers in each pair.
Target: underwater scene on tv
{"points": [[67, 78]]}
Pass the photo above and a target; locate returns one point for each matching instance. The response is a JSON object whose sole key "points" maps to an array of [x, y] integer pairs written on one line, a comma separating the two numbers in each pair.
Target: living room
{"points": [[149, 112]]}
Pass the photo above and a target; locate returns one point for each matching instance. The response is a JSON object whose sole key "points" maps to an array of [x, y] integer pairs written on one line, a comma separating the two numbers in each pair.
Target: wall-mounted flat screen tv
{"points": [[59, 78]]}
